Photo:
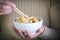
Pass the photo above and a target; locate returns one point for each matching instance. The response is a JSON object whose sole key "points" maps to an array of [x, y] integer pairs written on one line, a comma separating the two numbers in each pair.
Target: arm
{"points": [[49, 34]]}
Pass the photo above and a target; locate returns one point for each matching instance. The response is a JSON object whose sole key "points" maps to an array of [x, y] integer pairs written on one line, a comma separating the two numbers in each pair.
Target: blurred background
{"points": [[49, 10]]}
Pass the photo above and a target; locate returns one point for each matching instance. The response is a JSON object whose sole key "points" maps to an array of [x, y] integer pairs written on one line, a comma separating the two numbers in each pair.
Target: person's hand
{"points": [[6, 7], [21, 34]]}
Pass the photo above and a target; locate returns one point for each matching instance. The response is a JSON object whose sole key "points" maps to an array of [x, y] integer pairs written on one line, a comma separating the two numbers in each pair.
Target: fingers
{"points": [[19, 32], [28, 34], [39, 31], [12, 4], [6, 7], [7, 2]]}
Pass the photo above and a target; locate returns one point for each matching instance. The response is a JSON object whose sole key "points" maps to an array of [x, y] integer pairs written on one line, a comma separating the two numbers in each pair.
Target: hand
{"points": [[21, 34], [6, 7]]}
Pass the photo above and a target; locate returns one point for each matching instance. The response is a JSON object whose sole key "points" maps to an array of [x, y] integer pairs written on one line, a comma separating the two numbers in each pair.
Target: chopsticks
{"points": [[19, 12]]}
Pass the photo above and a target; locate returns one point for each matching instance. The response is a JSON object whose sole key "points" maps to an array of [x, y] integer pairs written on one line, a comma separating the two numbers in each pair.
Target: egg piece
{"points": [[21, 20], [33, 19]]}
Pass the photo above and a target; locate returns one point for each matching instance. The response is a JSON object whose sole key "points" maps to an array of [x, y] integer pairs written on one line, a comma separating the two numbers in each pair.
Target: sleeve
{"points": [[48, 34]]}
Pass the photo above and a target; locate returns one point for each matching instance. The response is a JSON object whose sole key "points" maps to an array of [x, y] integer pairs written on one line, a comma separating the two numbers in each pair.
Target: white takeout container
{"points": [[31, 27]]}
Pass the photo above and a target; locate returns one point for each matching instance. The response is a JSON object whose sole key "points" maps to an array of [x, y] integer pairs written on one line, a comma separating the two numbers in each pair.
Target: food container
{"points": [[31, 27]]}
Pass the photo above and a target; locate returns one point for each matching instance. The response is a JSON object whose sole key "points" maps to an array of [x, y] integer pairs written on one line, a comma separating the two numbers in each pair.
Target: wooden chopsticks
{"points": [[19, 12]]}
